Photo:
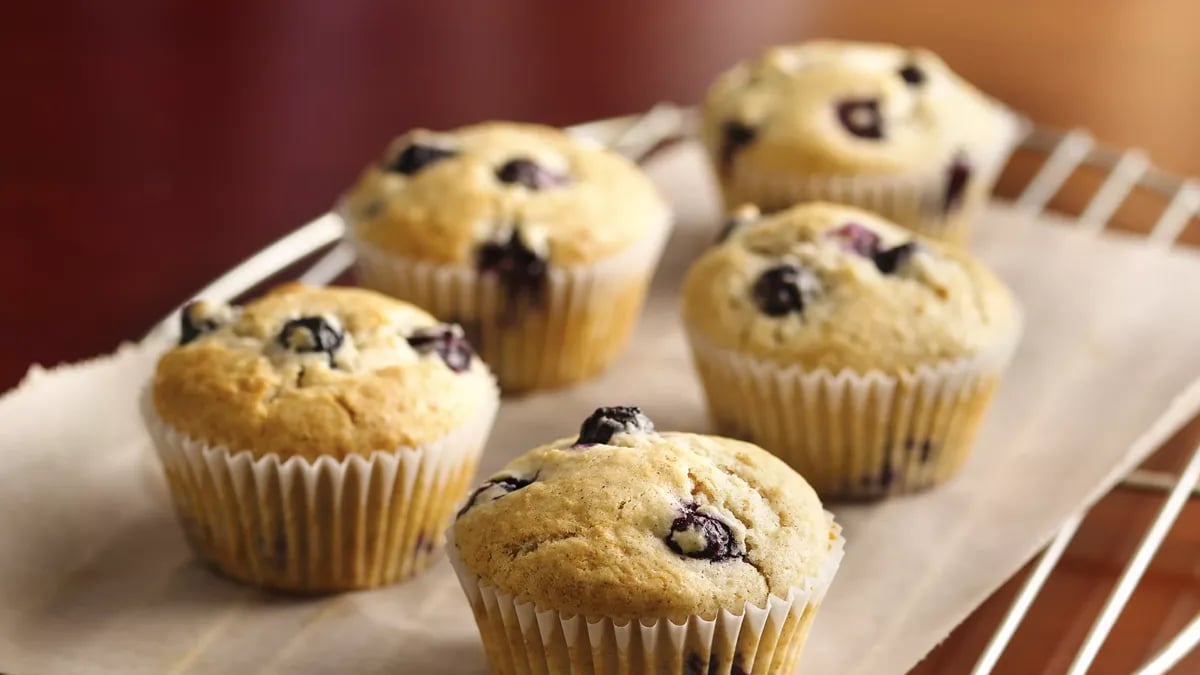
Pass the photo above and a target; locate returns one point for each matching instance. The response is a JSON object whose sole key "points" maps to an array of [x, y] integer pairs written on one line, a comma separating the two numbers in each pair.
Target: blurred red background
{"points": [[149, 145]]}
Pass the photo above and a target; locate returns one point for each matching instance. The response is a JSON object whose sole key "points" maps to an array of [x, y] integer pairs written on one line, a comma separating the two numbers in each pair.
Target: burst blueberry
{"points": [[697, 534], [415, 157], [861, 117], [494, 489], [734, 136], [522, 171], [912, 75], [856, 238], [892, 260], [312, 334], [199, 318], [604, 423], [521, 270], [784, 289], [697, 665], [447, 341]]}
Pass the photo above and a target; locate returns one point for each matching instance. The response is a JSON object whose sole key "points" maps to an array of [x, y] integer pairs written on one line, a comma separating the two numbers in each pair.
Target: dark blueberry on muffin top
{"points": [[311, 334], [892, 260], [522, 171], [734, 136], [912, 74], [784, 289], [861, 117], [604, 423], [415, 157], [447, 341], [697, 534], [494, 489], [199, 318]]}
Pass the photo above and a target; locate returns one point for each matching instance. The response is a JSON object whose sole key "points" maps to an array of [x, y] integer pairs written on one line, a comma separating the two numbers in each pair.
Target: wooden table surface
{"points": [[148, 145]]}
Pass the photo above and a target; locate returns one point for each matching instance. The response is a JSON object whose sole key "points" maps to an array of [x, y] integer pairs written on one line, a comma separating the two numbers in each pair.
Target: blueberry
{"points": [[739, 218], [856, 238], [912, 74], [425, 543], [311, 334], [529, 173], [958, 174], [521, 270], [861, 117], [924, 448], [448, 341], [604, 423], [415, 157], [199, 318], [734, 136], [697, 665], [784, 289], [881, 481], [696, 534], [891, 260], [494, 489], [887, 474]]}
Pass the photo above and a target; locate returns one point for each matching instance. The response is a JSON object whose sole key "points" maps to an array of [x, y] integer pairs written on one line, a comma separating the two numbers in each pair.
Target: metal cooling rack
{"points": [[1066, 153]]}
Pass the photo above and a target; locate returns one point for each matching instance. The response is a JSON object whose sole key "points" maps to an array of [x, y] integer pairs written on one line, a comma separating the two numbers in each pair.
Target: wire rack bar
{"points": [[1064, 159], [1137, 566], [1174, 651], [1116, 188], [285, 252], [1153, 481], [1177, 215], [1028, 593], [329, 266], [1046, 139]]}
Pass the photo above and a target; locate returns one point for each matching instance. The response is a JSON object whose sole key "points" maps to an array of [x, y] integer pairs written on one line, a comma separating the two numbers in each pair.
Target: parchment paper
{"points": [[95, 577]]}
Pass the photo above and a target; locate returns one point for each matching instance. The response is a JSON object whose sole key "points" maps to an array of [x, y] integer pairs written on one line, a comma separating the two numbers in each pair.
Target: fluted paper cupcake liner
{"points": [[317, 526], [916, 201], [854, 435], [521, 638], [578, 326]]}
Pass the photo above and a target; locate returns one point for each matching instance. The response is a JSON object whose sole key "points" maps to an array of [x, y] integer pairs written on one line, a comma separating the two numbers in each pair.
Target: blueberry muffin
{"points": [[318, 439], [886, 128], [861, 355], [623, 546], [540, 244]]}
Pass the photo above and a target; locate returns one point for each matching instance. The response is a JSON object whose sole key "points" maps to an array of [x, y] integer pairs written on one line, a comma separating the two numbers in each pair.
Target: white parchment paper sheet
{"points": [[95, 577]]}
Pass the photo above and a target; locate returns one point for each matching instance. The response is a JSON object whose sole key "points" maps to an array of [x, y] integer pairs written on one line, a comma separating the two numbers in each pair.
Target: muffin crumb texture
{"points": [[847, 108], [828, 286], [644, 524], [314, 372], [503, 196]]}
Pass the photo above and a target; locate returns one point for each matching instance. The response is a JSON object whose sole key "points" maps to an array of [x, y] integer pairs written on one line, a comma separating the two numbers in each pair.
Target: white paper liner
{"points": [[854, 435], [582, 322], [915, 201], [324, 525], [767, 640]]}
